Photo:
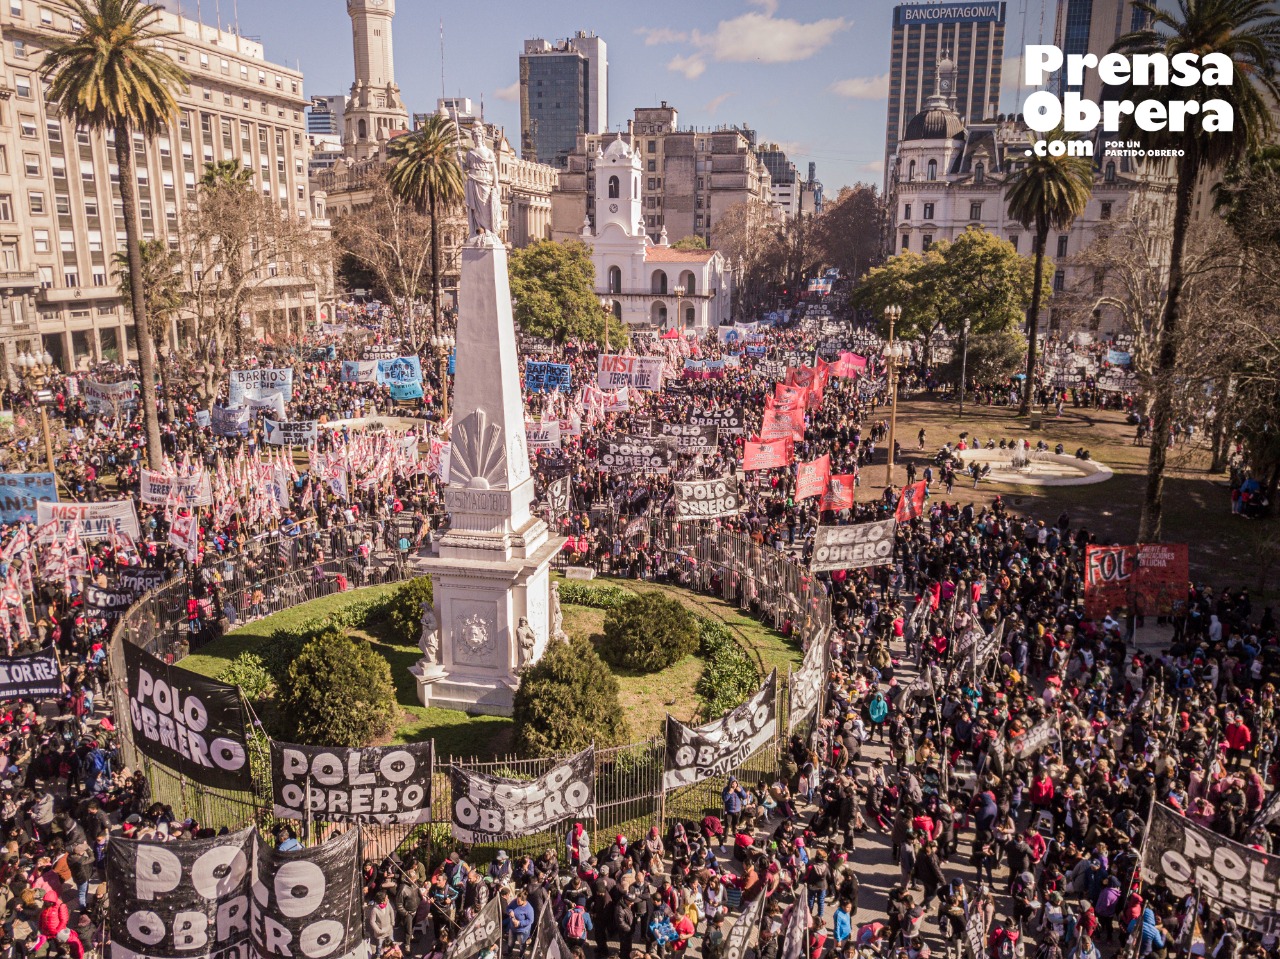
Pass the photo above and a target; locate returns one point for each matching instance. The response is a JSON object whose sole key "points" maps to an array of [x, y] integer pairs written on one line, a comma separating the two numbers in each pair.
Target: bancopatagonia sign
{"points": [[1045, 111]]}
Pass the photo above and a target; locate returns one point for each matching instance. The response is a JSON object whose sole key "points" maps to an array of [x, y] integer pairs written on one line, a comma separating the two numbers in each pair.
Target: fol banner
{"points": [[94, 520], [638, 372], [299, 433], [707, 499], [636, 454], [491, 808], [382, 784], [812, 477], [180, 899], [726, 421], [192, 490], [20, 492], [695, 753], [33, 676], [186, 722], [1191, 860], [768, 455], [853, 547], [308, 902]]}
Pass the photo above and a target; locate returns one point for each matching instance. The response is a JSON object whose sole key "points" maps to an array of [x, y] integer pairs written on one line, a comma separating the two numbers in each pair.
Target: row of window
{"points": [[975, 213]]}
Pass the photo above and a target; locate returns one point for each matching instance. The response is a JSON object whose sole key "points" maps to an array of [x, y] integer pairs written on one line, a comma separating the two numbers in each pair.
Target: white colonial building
{"points": [[950, 173], [649, 285]]}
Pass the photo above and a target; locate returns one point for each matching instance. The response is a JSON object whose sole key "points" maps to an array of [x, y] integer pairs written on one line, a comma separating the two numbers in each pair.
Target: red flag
{"points": [[839, 494], [766, 455], [911, 502], [801, 376], [786, 397], [812, 477], [849, 364], [783, 423]]}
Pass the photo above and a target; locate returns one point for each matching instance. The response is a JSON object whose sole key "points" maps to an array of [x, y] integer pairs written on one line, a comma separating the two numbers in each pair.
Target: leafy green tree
{"points": [[1046, 192], [913, 281], [554, 289], [648, 632], [567, 700], [992, 356], [164, 288], [338, 692], [226, 173], [1247, 33], [425, 173], [690, 242], [404, 611], [112, 76]]}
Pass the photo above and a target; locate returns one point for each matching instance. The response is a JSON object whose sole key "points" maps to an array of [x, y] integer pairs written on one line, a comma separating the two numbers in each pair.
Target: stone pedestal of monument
{"points": [[491, 570]]}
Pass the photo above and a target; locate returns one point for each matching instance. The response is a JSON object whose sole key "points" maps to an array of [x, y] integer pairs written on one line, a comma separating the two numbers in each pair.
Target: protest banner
{"points": [[726, 421], [109, 397], [111, 602], [20, 492], [1036, 738], [36, 675], [636, 454], [481, 934], [259, 378], [308, 902], [853, 547], [638, 372], [766, 455], [93, 520], [542, 436], [812, 477], [840, 492], [299, 433], [269, 399], [191, 490], [359, 371], [230, 422], [378, 784], [695, 753], [491, 808], [707, 499], [139, 579], [548, 377], [690, 438], [401, 371]]}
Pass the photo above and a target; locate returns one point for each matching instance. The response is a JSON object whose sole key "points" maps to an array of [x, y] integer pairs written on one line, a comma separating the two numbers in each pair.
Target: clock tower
{"points": [[618, 189], [376, 110]]}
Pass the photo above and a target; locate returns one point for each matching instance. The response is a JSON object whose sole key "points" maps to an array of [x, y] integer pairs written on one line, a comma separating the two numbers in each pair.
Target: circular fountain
{"points": [[1032, 467]]}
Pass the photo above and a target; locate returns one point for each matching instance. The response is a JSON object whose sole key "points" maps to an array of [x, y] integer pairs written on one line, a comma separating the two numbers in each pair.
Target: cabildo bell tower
{"points": [[376, 110]]}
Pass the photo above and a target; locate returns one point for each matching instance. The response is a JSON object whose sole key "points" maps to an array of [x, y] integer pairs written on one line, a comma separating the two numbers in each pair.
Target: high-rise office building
{"points": [[564, 91], [971, 35], [324, 116], [1092, 26]]}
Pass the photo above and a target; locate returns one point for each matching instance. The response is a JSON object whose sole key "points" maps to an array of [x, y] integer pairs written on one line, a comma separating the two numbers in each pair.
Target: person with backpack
{"points": [[818, 877], [713, 938], [576, 924]]}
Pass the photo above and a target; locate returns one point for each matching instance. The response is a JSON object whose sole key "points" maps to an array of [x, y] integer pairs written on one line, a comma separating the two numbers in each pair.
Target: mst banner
{"points": [[19, 493], [33, 676], [192, 490], [1189, 858], [636, 454], [385, 784], [695, 753], [707, 499], [490, 808], [93, 520], [186, 722], [308, 902], [640, 372], [175, 899], [853, 547]]}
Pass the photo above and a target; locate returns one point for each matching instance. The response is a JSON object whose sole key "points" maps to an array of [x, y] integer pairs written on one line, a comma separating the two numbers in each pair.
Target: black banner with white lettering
{"points": [[806, 683], [179, 899], [386, 784], [481, 933], [308, 902], [1036, 738], [33, 676], [726, 421], [853, 547], [690, 437], [547, 941], [138, 580], [707, 499], [1189, 859], [975, 933], [738, 939], [108, 602], [189, 723], [695, 753], [491, 808], [636, 454]]}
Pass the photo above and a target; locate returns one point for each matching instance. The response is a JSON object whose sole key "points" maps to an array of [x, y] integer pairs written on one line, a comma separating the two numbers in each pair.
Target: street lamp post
{"points": [[894, 352], [443, 343], [35, 372], [964, 362]]}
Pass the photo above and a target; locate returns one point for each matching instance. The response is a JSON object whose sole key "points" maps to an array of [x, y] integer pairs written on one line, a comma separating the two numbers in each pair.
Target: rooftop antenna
{"points": [[442, 90], [235, 11]]}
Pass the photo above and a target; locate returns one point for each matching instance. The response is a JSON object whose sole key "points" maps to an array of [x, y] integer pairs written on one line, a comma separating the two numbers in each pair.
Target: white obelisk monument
{"points": [[490, 580]]}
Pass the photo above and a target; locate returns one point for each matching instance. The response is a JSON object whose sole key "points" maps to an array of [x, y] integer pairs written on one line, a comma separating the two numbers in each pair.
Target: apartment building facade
{"points": [[61, 219], [688, 176]]}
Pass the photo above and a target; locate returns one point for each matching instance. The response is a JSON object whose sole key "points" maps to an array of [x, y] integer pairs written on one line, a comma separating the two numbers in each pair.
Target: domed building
{"points": [[950, 173], [647, 285]]}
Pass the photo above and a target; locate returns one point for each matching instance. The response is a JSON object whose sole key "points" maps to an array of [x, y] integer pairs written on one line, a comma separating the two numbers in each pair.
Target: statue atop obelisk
{"points": [[490, 581]]}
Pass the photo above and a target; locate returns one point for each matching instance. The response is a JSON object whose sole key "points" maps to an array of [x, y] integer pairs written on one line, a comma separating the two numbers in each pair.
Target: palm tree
{"points": [[1046, 192], [164, 288], [1248, 33], [425, 172], [225, 173], [111, 77]]}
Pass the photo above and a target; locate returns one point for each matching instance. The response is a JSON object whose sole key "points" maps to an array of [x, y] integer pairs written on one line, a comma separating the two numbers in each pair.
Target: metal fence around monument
{"points": [[629, 793]]}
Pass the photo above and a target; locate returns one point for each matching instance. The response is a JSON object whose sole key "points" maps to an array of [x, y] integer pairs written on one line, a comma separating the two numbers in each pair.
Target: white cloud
{"points": [[715, 103], [875, 166], [762, 38], [690, 67], [770, 7], [656, 35], [509, 93], [862, 88]]}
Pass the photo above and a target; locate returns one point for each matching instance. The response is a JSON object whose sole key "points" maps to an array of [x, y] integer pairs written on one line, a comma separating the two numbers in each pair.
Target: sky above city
{"points": [[810, 75]]}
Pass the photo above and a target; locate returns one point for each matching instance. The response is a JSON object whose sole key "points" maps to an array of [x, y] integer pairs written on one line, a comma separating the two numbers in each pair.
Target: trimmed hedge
{"points": [[567, 700], [338, 692], [730, 677], [593, 595], [648, 633], [403, 614]]}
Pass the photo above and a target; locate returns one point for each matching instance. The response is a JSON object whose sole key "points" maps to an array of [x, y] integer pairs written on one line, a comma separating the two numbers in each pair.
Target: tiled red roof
{"points": [[664, 254]]}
